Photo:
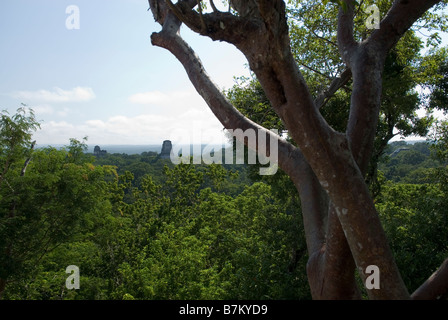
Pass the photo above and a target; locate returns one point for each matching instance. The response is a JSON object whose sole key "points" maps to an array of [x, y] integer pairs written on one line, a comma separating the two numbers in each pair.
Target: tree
{"points": [[437, 84], [328, 167], [46, 195], [403, 72], [180, 239], [15, 147], [412, 213]]}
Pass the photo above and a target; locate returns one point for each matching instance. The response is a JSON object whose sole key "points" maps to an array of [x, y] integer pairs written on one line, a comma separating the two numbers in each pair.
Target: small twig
{"points": [[213, 6], [335, 85], [27, 161], [359, 9], [325, 39], [175, 10], [203, 26], [12, 189], [314, 70]]}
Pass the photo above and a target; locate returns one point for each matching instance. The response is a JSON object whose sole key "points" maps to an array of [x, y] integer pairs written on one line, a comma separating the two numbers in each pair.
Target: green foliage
{"points": [[192, 231], [412, 206], [416, 223], [147, 163], [313, 34], [409, 163], [199, 233], [46, 198], [141, 228], [248, 95], [198, 243], [15, 143], [440, 153]]}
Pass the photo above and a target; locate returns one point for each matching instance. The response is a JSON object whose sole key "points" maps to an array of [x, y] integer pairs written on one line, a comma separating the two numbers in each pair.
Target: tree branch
{"points": [[328, 152], [213, 6], [335, 85], [435, 286], [314, 70], [215, 25], [290, 159], [27, 161], [346, 41], [322, 38], [330, 156], [402, 15], [201, 17], [337, 264]]}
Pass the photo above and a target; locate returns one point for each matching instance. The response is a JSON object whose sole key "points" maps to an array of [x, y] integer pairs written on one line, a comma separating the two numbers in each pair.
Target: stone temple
{"points": [[98, 152], [166, 149]]}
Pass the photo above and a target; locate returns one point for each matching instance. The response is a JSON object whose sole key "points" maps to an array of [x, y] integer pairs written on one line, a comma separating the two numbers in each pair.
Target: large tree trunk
{"points": [[342, 227], [2, 287]]}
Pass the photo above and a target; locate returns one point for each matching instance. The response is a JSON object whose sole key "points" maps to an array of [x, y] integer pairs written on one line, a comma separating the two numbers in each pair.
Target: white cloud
{"points": [[193, 125], [42, 109], [154, 97], [64, 112], [163, 98], [183, 105], [45, 110], [140, 128], [77, 94], [186, 115], [177, 115], [96, 124]]}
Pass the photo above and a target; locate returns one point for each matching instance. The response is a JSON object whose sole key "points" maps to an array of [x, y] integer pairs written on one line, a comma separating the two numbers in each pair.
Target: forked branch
{"points": [[290, 158], [335, 85]]}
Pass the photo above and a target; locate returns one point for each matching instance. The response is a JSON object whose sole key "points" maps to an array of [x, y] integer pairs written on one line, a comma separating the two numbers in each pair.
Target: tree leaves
{"points": [[341, 3]]}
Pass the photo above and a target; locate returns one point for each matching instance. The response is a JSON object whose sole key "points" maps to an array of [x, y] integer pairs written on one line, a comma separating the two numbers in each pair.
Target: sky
{"points": [[102, 78]]}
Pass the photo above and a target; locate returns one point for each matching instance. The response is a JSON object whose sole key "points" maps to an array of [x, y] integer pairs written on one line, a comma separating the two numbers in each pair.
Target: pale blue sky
{"points": [[104, 80]]}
